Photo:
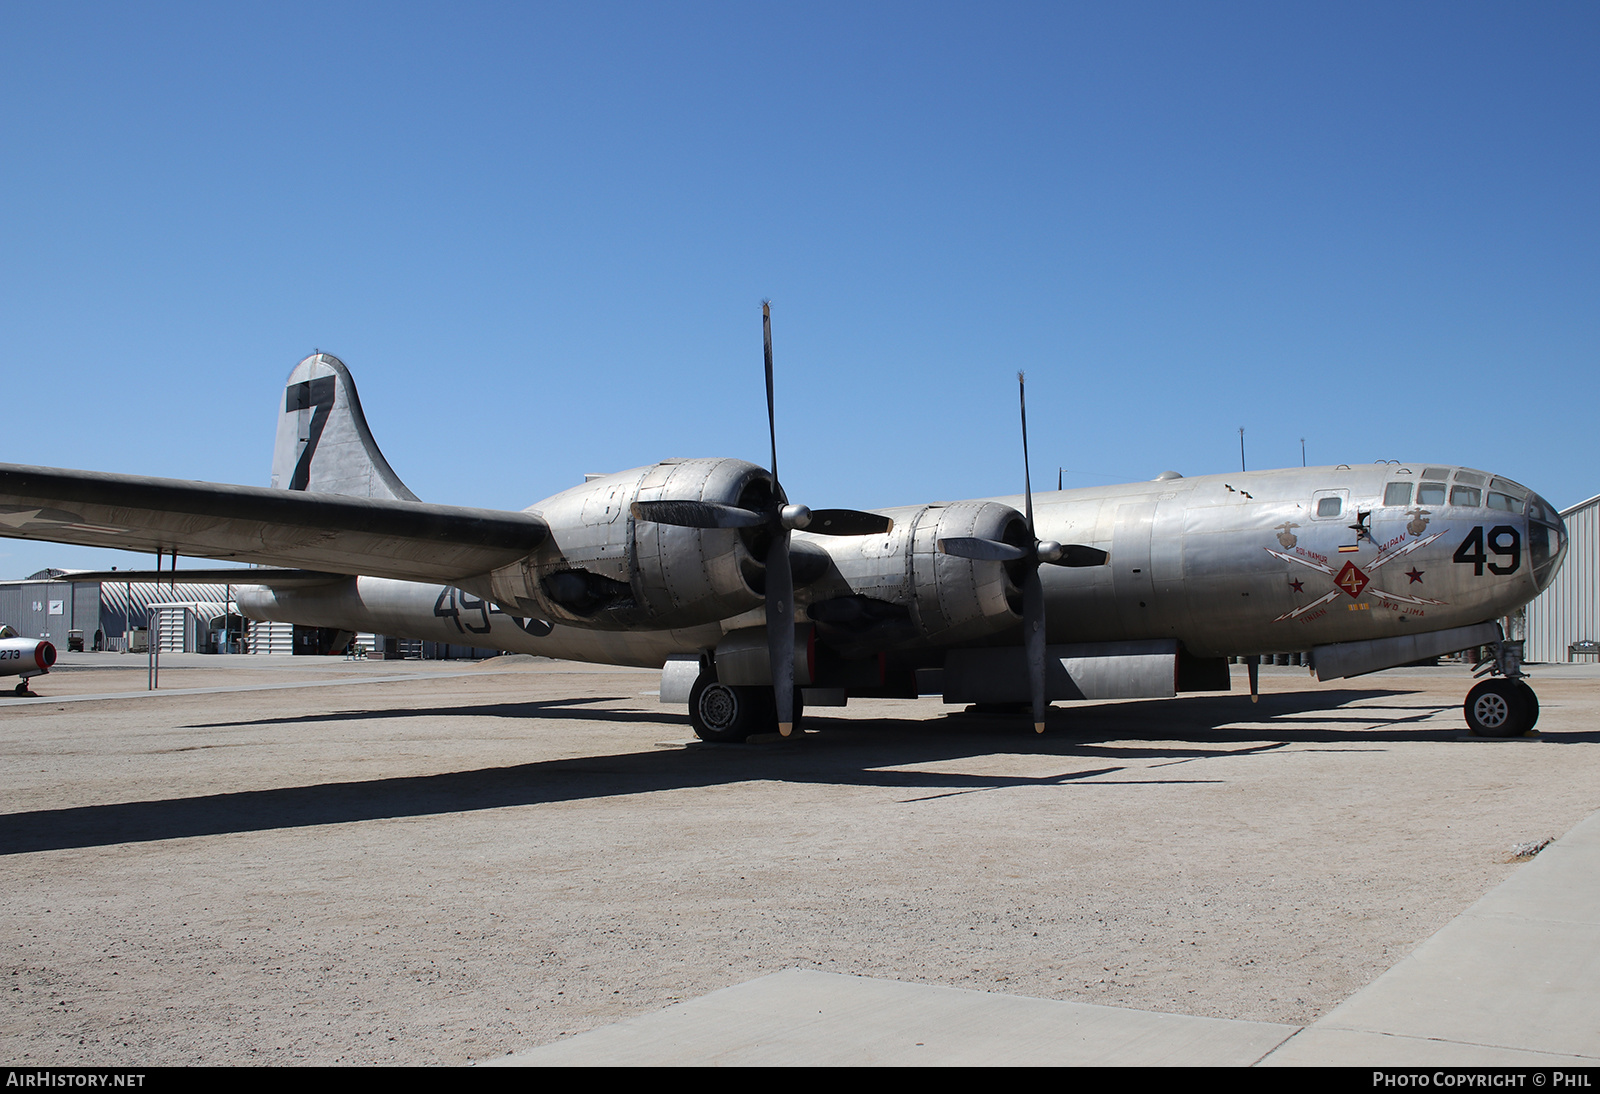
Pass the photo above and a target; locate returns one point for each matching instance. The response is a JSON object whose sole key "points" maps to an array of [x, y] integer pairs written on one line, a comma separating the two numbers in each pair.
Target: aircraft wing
{"points": [[376, 537], [275, 576]]}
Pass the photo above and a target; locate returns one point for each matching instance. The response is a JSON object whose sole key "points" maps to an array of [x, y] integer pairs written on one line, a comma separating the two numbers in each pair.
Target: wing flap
{"points": [[376, 537]]}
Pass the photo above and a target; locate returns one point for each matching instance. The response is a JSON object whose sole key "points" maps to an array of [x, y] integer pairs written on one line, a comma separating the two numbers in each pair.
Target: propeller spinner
{"points": [[779, 518], [1038, 553]]}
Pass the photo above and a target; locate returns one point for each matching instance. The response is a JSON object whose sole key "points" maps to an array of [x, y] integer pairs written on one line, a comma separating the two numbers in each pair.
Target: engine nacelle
{"points": [[25, 657], [603, 569], [956, 599], [900, 589]]}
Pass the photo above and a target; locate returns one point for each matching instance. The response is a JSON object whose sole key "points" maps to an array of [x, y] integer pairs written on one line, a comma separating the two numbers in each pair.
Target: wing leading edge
{"points": [[272, 576], [376, 537]]}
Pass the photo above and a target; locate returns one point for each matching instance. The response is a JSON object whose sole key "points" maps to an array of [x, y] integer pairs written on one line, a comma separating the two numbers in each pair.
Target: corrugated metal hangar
{"points": [[1567, 614], [188, 618], [106, 616]]}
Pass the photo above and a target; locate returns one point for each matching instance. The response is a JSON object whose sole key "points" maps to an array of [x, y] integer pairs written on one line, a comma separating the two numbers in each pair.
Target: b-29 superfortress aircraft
{"points": [[753, 605]]}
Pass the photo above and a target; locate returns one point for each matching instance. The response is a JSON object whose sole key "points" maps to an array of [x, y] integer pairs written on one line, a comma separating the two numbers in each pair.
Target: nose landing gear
{"points": [[1504, 705], [1501, 708]]}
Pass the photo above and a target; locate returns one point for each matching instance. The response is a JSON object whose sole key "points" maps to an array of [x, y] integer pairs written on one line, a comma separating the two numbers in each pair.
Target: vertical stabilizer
{"points": [[324, 445]]}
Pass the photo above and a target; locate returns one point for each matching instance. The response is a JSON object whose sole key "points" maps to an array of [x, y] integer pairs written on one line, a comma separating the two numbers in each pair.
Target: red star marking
{"points": [[1351, 580], [1415, 574], [1298, 586]]}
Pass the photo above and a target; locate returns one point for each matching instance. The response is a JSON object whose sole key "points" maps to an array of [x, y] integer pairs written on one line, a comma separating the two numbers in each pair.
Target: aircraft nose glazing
{"points": [[1519, 524], [1547, 540]]}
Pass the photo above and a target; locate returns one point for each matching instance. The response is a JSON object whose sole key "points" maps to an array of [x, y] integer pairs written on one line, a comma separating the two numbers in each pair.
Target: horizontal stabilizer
{"points": [[407, 540]]}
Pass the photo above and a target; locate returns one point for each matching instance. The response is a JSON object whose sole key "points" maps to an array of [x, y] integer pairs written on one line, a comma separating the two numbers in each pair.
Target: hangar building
{"points": [[189, 618]]}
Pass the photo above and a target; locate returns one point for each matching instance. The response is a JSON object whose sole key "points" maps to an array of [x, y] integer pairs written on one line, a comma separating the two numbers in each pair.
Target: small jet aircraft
{"points": [[24, 657], [753, 605]]}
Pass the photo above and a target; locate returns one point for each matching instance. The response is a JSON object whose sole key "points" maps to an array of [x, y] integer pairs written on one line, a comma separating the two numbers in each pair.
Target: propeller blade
{"points": [[1076, 554], [848, 522], [780, 629], [780, 577], [772, 418], [1027, 479], [983, 550], [1033, 636], [696, 514]]}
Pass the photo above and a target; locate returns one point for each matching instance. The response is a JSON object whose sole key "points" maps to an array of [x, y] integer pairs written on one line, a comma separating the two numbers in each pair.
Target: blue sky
{"points": [[540, 236]]}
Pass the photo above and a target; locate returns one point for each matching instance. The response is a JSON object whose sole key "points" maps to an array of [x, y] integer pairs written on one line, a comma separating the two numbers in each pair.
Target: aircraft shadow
{"points": [[841, 752], [1277, 717], [456, 792], [548, 708], [1167, 719]]}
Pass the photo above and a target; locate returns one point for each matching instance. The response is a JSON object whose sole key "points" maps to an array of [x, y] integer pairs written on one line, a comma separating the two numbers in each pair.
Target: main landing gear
{"points": [[1504, 705], [727, 714]]}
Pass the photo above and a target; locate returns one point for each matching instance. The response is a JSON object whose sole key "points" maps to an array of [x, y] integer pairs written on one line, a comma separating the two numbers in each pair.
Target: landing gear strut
{"points": [[1504, 705]]}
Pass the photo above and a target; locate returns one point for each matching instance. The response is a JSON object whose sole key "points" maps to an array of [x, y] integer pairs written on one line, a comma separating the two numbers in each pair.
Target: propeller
{"points": [[779, 518], [1040, 552]]}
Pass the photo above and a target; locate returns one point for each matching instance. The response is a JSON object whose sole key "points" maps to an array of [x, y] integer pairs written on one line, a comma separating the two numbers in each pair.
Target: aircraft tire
{"points": [[722, 714], [1530, 705], [1500, 708]]}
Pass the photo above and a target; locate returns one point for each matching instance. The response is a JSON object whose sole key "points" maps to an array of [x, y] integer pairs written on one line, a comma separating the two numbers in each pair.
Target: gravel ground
{"points": [[437, 863]]}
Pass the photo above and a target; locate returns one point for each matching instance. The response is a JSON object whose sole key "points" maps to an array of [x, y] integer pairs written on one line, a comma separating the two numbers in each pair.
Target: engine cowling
{"points": [[956, 599], [687, 576], [601, 568], [900, 589]]}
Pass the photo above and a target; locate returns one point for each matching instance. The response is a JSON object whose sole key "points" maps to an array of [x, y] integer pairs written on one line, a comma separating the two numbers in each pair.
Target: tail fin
{"points": [[324, 445]]}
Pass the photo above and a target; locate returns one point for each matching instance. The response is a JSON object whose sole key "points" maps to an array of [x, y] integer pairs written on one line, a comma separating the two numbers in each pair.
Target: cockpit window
{"points": [[1539, 547], [1430, 493], [1328, 507], [1436, 473], [1464, 495], [1397, 493], [1471, 478], [1547, 542], [1507, 495]]}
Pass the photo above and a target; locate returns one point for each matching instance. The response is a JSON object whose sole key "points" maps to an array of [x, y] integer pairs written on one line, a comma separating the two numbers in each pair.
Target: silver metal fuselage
{"points": [[1236, 564]]}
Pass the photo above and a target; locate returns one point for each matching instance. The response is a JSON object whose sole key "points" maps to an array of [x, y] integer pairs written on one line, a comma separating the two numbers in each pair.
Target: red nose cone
{"points": [[45, 655]]}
